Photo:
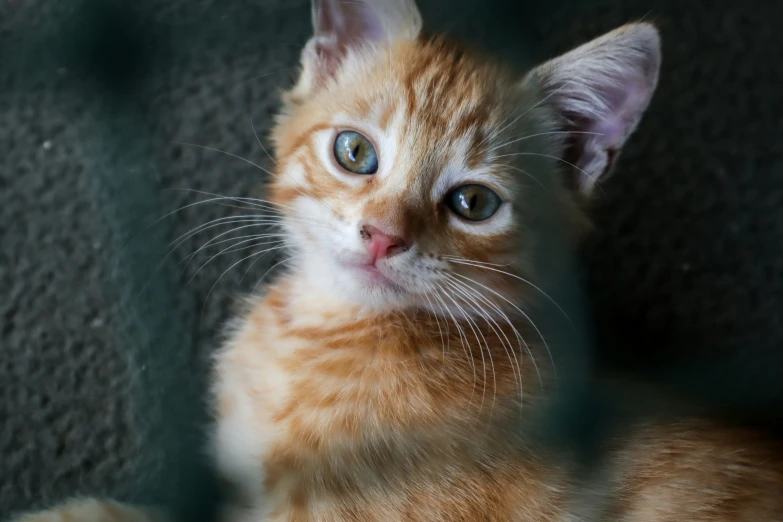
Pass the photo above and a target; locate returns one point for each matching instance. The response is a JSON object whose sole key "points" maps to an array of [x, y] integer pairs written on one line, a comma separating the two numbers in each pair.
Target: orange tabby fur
{"points": [[339, 400]]}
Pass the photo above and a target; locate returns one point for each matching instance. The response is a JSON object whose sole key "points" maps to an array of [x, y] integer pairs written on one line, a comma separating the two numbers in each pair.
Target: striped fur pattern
{"points": [[401, 393]]}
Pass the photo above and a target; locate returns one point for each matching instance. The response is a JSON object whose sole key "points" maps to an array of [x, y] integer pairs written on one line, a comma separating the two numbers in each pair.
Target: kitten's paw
{"points": [[90, 510]]}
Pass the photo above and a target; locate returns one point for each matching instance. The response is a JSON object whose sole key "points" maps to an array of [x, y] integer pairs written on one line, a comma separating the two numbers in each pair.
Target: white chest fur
{"points": [[250, 386]]}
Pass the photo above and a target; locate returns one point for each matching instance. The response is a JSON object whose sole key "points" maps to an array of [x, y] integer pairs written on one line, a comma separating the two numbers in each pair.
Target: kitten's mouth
{"points": [[372, 274]]}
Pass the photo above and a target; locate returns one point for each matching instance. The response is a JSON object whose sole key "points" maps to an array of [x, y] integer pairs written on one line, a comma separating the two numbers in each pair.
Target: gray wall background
{"points": [[103, 348]]}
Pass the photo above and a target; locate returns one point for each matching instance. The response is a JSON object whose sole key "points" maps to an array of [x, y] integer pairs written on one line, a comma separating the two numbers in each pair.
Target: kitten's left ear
{"points": [[341, 26], [600, 90]]}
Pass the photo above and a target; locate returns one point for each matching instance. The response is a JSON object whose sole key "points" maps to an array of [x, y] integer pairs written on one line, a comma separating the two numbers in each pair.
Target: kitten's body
{"points": [[401, 385], [364, 416]]}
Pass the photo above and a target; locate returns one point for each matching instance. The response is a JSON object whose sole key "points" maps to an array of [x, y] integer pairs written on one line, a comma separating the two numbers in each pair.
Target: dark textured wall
{"points": [[104, 343]]}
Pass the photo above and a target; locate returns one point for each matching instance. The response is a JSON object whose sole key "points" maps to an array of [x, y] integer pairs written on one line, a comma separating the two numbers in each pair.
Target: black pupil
{"points": [[354, 152], [472, 202]]}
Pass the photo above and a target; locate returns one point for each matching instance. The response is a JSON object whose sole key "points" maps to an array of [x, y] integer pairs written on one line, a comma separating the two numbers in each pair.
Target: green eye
{"points": [[473, 202], [355, 153]]}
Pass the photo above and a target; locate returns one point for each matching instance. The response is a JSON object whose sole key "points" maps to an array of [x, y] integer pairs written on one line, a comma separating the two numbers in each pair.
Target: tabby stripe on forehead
{"points": [[305, 136], [424, 62], [476, 117]]}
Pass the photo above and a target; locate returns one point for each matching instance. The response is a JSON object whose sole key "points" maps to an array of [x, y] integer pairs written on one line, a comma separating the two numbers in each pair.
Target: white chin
{"points": [[373, 288], [373, 277]]}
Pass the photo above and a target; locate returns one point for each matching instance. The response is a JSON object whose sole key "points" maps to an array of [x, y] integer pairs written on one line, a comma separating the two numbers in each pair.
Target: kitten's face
{"points": [[406, 163], [393, 177]]}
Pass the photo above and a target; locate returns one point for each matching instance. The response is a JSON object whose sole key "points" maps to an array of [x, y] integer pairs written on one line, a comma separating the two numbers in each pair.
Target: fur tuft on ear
{"points": [[343, 25], [600, 91]]}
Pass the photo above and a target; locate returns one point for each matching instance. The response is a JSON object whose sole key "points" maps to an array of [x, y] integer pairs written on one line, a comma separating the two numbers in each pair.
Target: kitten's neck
{"points": [[319, 308]]}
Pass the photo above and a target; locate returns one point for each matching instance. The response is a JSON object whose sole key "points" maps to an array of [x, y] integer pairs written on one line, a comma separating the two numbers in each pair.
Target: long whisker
{"points": [[259, 142], [256, 165], [474, 304], [262, 203], [236, 248], [232, 248], [529, 175], [515, 364], [462, 337], [252, 222], [478, 265], [212, 241], [541, 154], [523, 314], [180, 209], [588, 176], [268, 213], [437, 321], [259, 219], [268, 74], [273, 211], [472, 296], [179, 241], [482, 263], [270, 269], [520, 338], [240, 203], [262, 252], [539, 102], [251, 266], [527, 137], [476, 332]]}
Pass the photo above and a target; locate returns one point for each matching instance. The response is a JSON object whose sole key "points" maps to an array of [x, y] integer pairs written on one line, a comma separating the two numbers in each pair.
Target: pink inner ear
{"points": [[618, 104], [601, 91], [339, 25], [624, 102], [348, 22]]}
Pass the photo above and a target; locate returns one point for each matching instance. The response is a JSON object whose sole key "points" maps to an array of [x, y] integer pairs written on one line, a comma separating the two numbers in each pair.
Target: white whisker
{"points": [[525, 315], [270, 269], [520, 339], [473, 303], [259, 142], [435, 315], [529, 175], [516, 365], [527, 137], [228, 220], [179, 241], [261, 203], [482, 263], [539, 102], [588, 176], [476, 332], [462, 337], [212, 242], [269, 73], [180, 209], [478, 265], [263, 252], [259, 167], [232, 248]]}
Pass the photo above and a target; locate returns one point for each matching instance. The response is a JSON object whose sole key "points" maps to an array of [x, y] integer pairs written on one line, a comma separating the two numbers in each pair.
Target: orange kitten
{"points": [[382, 377]]}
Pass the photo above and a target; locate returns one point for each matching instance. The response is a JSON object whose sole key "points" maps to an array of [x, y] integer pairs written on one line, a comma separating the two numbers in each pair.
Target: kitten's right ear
{"points": [[599, 92], [342, 26]]}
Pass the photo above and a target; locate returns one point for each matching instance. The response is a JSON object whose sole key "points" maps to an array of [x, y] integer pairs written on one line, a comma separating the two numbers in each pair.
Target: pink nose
{"points": [[380, 244]]}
